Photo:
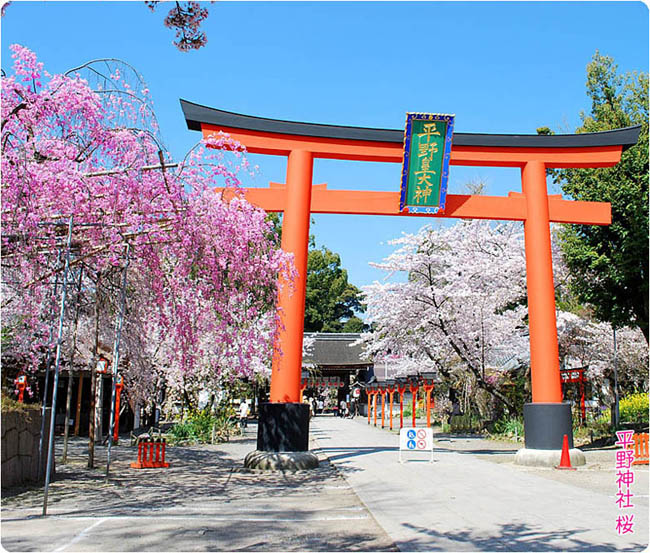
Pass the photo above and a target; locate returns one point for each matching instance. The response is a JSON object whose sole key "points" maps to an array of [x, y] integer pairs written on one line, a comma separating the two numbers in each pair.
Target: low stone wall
{"points": [[20, 437]]}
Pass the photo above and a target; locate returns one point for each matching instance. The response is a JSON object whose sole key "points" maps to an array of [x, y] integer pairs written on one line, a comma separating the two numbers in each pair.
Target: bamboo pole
{"points": [[68, 398], [116, 357], [59, 341], [93, 380], [47, 371]]}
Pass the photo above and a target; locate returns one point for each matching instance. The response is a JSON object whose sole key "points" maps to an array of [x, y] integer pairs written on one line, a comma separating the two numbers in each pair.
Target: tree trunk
{"points": [[474, 370], [93, 378], [136, 415], [68, 399]]}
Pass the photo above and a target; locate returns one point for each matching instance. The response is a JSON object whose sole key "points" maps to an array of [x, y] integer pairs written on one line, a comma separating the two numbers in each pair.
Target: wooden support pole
{"points": [[78, 412], [57, 362], [375, 407]]}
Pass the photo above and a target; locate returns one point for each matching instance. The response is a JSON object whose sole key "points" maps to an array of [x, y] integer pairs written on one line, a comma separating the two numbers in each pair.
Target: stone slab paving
{"points": [[473, 498], [206, 501]]}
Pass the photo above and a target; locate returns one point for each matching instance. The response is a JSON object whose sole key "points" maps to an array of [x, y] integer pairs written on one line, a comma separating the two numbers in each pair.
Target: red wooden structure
{"points": [[119, 385], [401, 388], [641, 455], [375, 393], [151, 454], [299, 197], [382, 391], [390, 388], [414, 386], [570, 376], [428, 384]]}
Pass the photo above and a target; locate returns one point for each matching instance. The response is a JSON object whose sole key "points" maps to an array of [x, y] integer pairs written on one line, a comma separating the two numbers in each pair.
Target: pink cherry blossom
{"points": [[461, 308], [203, 273]]}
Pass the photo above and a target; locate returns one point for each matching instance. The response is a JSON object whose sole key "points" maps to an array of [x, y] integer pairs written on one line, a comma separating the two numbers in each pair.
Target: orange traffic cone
{"points": [[565, 460]]}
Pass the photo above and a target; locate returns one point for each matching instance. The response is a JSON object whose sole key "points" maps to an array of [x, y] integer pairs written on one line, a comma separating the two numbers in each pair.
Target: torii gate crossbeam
{"points": [[533, 154]]}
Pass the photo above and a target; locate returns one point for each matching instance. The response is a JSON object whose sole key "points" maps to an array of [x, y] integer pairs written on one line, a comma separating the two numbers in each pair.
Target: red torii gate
{"points": [[546, 418]]}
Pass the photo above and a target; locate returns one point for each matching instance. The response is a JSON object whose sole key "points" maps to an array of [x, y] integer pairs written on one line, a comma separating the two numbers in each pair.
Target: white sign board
{"points": [[415, 439]]}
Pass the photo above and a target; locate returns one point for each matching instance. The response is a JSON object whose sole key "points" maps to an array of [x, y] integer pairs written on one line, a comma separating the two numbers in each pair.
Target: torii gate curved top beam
{"points": [[533, 154], [278, 137]]}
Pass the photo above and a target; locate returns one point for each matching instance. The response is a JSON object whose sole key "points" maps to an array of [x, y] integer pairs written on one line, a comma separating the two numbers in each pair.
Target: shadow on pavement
{"points": [[335, 453], [205, 501], [508, 537], [482, 451]]}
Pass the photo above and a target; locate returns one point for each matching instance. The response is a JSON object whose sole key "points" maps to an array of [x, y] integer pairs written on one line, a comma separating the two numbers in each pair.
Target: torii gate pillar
{"points": [[287, 359], [284, 423], [547, 419], [545, 379]]}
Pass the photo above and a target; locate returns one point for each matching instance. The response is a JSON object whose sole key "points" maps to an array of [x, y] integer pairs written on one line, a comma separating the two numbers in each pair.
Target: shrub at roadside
{"points": [[202, 427], [634, 408], [508, 428], [10, 404]]}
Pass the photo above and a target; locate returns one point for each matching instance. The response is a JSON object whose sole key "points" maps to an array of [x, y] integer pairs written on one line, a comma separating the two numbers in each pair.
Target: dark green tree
{"points": [[331, 300], [609, 264]]}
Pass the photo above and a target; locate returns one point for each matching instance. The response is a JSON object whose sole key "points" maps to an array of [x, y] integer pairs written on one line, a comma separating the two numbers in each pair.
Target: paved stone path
{"points": [[205, 501], [471, 498]]}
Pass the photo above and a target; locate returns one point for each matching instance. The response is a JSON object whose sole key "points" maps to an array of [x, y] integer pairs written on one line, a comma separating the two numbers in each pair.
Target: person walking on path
{"points": [[243, 414], [343, 412]]}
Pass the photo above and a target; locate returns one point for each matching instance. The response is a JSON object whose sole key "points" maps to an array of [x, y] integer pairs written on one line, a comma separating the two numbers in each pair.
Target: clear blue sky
{"points": [[505, 67]]}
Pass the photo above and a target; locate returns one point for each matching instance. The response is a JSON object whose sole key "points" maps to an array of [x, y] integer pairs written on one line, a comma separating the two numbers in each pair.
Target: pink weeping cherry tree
{"points": [[203, 270]]}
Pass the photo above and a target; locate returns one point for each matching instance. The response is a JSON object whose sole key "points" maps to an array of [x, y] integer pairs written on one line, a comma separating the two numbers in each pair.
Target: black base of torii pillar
{"points": [[282, 438], [283, 427], [545, 425]]}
